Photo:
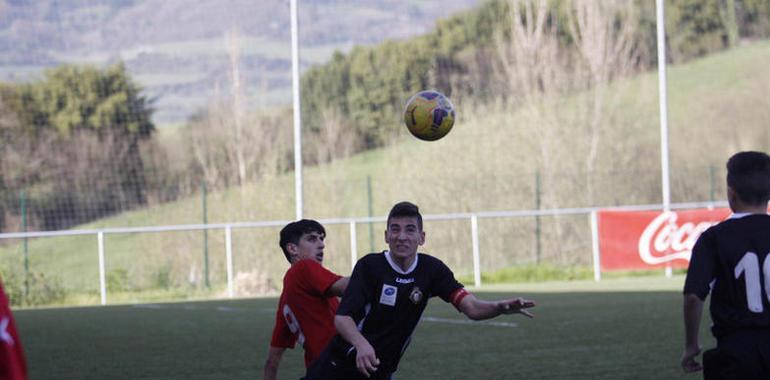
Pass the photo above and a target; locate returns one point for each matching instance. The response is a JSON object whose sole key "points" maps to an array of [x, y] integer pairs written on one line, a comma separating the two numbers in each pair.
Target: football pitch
{"points": [[617, 329]]}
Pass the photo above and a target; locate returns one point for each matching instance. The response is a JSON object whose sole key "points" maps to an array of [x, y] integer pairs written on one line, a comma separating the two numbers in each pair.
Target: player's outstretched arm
{"points": [[338, 287], [477, 309], [693, 309], [274, 355], [366, 358]]}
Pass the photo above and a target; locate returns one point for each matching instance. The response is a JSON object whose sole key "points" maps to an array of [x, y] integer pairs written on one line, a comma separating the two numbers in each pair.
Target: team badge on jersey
{"points": [[388, 296], [416, 295]]}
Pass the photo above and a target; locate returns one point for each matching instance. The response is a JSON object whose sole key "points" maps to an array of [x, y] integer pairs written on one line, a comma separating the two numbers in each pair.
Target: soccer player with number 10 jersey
{"points": [[731, 260]]}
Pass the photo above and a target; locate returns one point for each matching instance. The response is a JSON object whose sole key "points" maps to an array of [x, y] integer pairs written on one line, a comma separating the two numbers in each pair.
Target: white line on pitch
{"points": [[467, 322], [147, 306]]}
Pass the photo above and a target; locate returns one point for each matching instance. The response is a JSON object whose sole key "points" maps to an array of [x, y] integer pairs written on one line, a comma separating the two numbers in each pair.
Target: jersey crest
{"points": [[416, 295]]}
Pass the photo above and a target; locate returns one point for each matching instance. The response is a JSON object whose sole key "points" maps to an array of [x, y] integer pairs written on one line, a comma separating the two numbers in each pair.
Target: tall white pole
{"points": [[662, 89], [297, 109]]}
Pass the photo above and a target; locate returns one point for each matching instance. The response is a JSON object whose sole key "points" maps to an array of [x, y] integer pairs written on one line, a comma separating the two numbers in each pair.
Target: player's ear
{"points": [[293, 251], [732, 196], [422, 237]]}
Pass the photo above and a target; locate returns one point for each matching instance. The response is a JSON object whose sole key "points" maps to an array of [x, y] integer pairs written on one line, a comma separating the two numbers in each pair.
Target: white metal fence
{"points": [[471, 217]]}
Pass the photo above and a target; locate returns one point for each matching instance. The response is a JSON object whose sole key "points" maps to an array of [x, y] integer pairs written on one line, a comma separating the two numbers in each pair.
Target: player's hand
{"points": [[689, 364], [366, 359], [516, 305]]}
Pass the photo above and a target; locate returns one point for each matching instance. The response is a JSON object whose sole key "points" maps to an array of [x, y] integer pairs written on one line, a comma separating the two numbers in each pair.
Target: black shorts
{"points": [[743, 355], [335, 367]]}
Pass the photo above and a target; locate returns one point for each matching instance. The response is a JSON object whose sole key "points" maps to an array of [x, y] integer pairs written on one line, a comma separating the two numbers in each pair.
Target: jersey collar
{"points": [[738, 215], [397, 268]]}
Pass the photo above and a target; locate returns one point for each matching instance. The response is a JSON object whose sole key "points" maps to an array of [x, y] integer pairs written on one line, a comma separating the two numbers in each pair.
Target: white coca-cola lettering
{"points": [[663, 240]]}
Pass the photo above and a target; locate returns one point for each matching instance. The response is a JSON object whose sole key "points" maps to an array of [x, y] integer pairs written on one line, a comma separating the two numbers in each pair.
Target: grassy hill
{"points": [[717, 105]]}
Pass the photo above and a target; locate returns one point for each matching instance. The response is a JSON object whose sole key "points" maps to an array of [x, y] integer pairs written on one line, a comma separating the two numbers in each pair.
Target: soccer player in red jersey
{"points": [[13, 366], [309, 301]]}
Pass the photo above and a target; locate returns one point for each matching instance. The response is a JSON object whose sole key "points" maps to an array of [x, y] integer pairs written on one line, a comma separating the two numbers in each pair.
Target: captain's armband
{"points": [[457, 296]]}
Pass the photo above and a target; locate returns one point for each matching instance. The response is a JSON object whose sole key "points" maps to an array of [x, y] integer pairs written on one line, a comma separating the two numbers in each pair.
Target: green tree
{"points": [[76, 146], [754, 18], [70, 98], [367, 87]]}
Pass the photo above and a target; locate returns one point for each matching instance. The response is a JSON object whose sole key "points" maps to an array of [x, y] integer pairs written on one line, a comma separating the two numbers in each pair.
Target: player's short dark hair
{"points": [[405, 210], [748, 174], [292, 232]]}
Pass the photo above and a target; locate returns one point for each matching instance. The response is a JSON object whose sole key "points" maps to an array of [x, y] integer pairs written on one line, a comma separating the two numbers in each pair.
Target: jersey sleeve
{"points": [[701, 270], [358, 293], [282, 336], [314, 278], [445, 285]]}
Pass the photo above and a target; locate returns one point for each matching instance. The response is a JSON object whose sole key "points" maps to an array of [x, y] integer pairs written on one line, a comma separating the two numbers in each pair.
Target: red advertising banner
{"points": [[652, 239]]}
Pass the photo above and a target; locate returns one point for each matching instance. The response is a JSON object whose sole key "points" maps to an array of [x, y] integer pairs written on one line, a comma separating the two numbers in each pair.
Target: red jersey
{"points": [[12, 363], [305, 313]]}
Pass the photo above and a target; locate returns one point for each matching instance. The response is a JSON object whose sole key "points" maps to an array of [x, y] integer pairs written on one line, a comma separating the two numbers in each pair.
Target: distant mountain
{"points": [[178, 50]]}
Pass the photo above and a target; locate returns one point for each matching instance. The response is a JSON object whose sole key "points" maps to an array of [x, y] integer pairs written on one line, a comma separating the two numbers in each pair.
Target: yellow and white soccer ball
{"points": [[429, 115]]}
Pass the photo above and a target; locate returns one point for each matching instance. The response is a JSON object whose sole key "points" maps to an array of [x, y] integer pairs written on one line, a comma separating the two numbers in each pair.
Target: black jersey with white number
{"points": [[386, 303], [734, 255]]}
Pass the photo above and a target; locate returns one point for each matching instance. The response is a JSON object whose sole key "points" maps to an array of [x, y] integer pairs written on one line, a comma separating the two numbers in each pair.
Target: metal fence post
{"points": [[476, 260], [23, 200], [353, 245], [538, 233], [712, 182], [205, 236], [102, 281], [229, 253], [370, 201], [595, 246]]}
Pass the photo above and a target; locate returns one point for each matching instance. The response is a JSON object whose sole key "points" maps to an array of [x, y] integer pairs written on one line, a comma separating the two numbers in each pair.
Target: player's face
{"points": [[310, 246], [404, 236]]}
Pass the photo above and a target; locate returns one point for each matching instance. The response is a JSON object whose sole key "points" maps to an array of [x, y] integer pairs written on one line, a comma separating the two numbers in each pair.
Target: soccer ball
{"points": [[429, 115]]}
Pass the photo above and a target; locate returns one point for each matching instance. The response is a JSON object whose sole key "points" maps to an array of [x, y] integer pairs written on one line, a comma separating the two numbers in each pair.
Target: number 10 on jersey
{"points": [[749, 267]]}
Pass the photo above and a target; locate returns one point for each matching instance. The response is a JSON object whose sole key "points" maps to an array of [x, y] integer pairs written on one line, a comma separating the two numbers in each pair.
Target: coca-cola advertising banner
{"points": [[652, 239]]}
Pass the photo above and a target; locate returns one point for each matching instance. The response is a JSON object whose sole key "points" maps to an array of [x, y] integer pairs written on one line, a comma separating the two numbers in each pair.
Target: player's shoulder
{"points": [[302, 266], [753, 221], [373, 258], [429, 260], [374, 261], [431, 264]]}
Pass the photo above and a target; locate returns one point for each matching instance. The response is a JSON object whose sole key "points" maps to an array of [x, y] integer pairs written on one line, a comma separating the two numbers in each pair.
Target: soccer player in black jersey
{"points": [[385, 299], [731, 260]]}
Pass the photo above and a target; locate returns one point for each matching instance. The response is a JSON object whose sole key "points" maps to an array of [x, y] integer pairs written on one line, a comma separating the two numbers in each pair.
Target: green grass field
{"points": [[616, 329]]}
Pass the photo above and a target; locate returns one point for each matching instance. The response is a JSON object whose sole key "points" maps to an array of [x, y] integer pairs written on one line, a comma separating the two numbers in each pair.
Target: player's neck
{"points": [[404, 263], [742, 208], [738, 206], [751, 210]]}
